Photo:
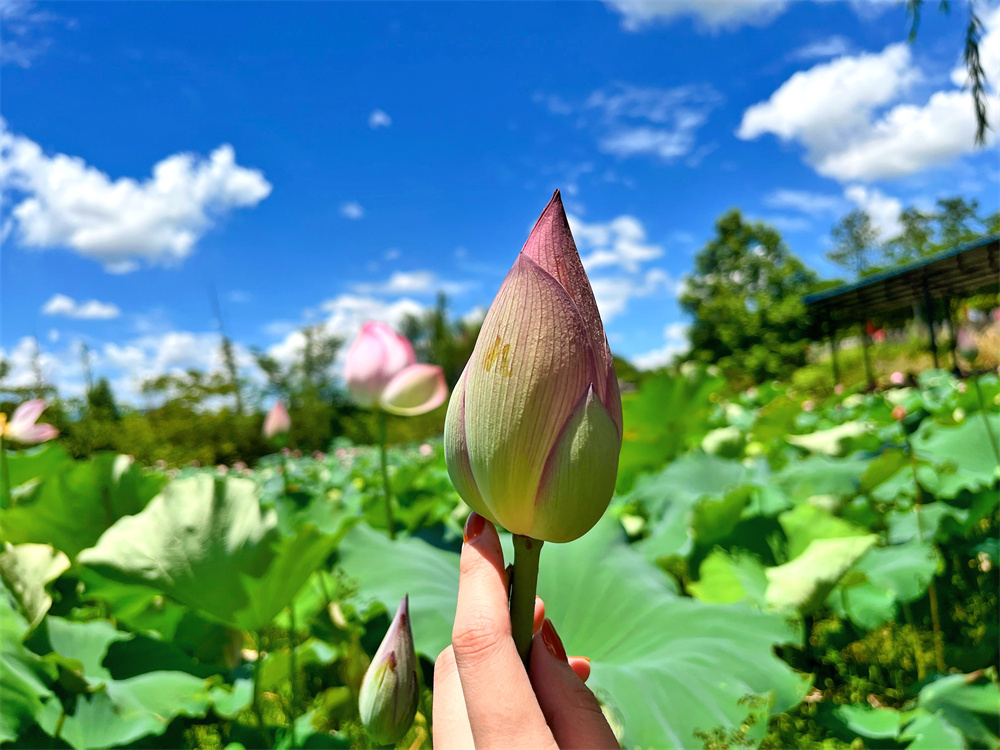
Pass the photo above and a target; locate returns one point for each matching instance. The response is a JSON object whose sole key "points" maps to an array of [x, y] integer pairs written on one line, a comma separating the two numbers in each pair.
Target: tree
{"points": [[440, 341], [915, 239], [955, 219], [745, 296], [855, 241]]}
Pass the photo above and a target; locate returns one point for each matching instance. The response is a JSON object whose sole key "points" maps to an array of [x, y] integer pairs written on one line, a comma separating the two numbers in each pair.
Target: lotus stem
{"points": [[294, 672], [524, 580], [386, 490], [258, 709], [985, 417], [5, 471]]}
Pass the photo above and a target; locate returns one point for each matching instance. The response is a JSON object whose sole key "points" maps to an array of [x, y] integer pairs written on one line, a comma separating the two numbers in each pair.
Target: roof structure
{"points": [[956, 272]]}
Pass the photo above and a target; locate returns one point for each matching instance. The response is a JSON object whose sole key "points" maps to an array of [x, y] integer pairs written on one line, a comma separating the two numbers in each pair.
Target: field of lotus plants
{"points": [[771, 569]]}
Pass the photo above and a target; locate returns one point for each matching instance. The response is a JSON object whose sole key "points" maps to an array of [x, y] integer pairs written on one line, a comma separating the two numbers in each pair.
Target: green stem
{"points": [[258, 709], [931, 587], [985, 417], [386, 490], [294, 671], [284, 472], [59, 722], [524, 580], [5, 471]]}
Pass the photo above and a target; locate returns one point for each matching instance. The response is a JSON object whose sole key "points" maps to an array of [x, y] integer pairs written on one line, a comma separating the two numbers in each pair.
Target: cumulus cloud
{"points": [[68, 307], [613, 293], [64, 202], [882, 209], [676, 342], [848, 114], [833, 46], [620, 242], [413, 282], [352, 210], [714, 15]]}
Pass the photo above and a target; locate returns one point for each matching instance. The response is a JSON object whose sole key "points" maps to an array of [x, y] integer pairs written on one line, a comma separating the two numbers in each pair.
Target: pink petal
{"points": [[27, 414], [551, 246], [377, 355], [416, 390], [456, 452], [32, 434], [277, 421]]}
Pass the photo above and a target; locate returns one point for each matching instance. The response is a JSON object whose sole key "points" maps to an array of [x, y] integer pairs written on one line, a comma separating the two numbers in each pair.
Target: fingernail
{"points": [[474, 526], [551, 640], [585, 658]]}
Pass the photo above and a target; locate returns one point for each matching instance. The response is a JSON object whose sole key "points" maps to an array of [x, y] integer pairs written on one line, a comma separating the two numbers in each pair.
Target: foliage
{"points": [[774, 571], [745, 298]]}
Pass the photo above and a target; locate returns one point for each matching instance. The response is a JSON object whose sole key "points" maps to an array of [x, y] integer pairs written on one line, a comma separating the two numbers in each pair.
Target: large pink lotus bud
{"points": [[382, 371], [22, 428], [534, 427]]}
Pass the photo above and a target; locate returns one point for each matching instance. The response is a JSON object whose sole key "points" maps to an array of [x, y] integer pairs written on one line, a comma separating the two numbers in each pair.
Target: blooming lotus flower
{"points": [[277, 424], [534, 426], [22, 427], [382, 371], [389, 690], [965, 344]]}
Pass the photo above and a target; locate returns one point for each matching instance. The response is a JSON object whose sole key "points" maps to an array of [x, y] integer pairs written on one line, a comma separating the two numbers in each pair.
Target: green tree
{"points": [[440, 341], [956, 220], [913, 241], [745, 297], [855, 242]]}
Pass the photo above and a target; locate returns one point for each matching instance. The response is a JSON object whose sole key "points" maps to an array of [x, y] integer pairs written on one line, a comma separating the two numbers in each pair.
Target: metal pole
{"points": [[833, 349], [929, 314], [952, 343]]}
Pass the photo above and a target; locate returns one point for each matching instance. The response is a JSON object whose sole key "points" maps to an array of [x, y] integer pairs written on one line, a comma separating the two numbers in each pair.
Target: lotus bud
{"points": [[965, 345], [389, 690], [382, 371], [897, 378], [899, 412], [534, 426], [277, 424], [22, 427]]}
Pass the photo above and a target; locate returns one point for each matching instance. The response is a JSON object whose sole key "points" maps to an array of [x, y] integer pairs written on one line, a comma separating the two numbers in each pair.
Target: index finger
{"points": [[503, 711]]}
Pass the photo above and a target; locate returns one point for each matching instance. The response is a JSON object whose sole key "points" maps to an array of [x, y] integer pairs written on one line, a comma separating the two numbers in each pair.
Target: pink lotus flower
{"points": [[534, 428], [382, 371], [897, 378], [277, 422], [899, 412], [22, 427], [838, 389], [965, 344]]}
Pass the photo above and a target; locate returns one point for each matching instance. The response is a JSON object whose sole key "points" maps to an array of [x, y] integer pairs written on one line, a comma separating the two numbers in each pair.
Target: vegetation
{"points": [[832, 560]]}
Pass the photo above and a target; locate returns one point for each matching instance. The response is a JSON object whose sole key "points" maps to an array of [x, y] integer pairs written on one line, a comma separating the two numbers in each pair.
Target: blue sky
{"points": [[330, 162]]}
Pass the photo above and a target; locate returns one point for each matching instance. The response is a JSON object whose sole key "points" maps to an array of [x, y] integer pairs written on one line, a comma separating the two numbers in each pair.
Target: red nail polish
{"points": [[551, 640], [474, 526]]}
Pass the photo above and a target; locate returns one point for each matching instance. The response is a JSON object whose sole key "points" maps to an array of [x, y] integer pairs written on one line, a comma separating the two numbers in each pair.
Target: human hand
{"points": [[483, 697]]}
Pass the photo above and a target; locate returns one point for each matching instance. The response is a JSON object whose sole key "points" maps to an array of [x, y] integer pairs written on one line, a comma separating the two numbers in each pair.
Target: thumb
{"points": [[570, 709]]}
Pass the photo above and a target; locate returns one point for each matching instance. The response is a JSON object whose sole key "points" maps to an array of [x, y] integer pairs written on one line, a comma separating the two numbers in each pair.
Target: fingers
{"points": [[539, 614], [494, 683], [451, 721], [581, 666], [571, 710]]}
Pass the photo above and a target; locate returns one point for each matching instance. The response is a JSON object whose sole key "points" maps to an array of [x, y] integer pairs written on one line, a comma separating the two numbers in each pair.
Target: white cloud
{"points": [[352, 210], [379, 118], [651, 121], [412, 282], [68, 203], [675, 336], [23, 32], [712, 14], [238, 296], [613, 293], [788, 223], [620, 242], [53, 335], [392, 253], [848, 115], [833, 46], [814, 204], [68, 307], [883, 210]]}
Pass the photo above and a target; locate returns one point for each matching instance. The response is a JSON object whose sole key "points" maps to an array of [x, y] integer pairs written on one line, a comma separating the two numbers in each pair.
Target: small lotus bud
{"points": [[897, 378], [808, 405], [382, 370], [838, 389], [389, 690], [965, 345], [899, 412], [534, 427], [277, 424]]}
